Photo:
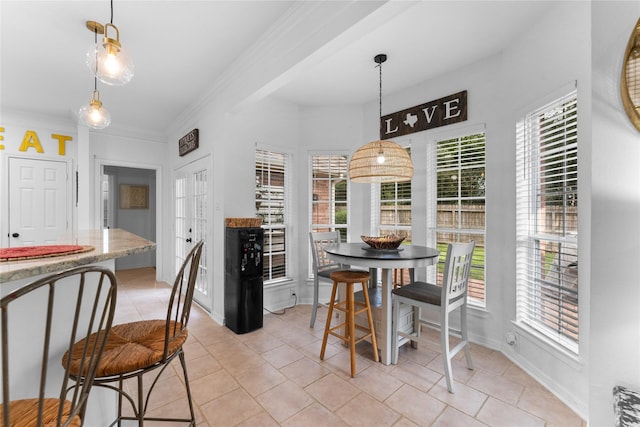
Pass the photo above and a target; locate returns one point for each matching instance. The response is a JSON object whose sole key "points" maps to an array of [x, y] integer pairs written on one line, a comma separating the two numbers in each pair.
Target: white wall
{"points": [[535, 67], [326, 130], [615, 226], [231, 138], [15, 127]]}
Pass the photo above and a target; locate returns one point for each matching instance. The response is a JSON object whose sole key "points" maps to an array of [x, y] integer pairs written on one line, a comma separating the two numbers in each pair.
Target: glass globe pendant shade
{"points": [[94, 115], [109, 61]]}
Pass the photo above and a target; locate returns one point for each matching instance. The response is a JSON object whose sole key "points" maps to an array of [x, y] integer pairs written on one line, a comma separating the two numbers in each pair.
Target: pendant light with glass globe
{"points": [[93, 114], [108, 59]]}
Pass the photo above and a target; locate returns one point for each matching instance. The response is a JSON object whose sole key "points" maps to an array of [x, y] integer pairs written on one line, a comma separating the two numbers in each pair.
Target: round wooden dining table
{"points": [[406, 256]]}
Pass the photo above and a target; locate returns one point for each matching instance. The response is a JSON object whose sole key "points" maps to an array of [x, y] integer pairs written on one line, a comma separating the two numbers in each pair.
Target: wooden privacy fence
{"points": [[473, 217]]}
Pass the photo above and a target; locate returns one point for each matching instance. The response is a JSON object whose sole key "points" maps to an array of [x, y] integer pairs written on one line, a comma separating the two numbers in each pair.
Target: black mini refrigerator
{"points": [[243, 297]]}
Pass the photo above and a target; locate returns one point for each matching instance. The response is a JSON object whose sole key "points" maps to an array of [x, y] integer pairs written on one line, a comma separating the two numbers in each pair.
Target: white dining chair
{"points": [[322, 265], [450, 296]]}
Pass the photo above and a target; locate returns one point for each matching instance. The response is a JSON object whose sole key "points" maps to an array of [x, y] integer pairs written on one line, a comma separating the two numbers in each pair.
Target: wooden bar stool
{"points": [[351, 308]]}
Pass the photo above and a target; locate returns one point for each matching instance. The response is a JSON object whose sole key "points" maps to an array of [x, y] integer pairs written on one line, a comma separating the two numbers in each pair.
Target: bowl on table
{"points": [[389, 242]]}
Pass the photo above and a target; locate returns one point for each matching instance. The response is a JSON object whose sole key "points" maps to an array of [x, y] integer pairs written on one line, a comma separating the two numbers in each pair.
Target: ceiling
{"points": [[182, 48]]}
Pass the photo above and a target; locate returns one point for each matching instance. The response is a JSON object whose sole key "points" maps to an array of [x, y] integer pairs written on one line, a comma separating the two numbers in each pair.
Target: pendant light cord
{"points": [[95, 78], [380, 90], [111, 12]]}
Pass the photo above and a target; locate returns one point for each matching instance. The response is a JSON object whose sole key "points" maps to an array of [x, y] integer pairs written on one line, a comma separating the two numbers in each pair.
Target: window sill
{"points": [[278, 283], [556, 350]]}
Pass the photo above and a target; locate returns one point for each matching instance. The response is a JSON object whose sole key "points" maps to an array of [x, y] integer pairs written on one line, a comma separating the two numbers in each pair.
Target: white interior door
{"points": [[39, 211], [191, 189]]}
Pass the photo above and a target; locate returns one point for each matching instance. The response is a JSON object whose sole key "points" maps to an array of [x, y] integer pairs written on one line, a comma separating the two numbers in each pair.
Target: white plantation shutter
{"points": [[272, 206], [395, 208], [456, 194], [547, 220], [329, 187]]}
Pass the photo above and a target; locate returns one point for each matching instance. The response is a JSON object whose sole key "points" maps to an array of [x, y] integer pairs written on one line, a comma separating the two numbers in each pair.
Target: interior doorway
{"points": [[139, 210]]}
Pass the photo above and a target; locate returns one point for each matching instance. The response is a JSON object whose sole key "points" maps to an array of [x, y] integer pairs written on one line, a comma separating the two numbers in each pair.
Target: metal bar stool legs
{"points": [[351, 308]]}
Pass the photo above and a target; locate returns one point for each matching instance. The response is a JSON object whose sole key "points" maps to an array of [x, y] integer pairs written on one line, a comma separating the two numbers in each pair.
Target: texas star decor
{"points": [[433, 114]]}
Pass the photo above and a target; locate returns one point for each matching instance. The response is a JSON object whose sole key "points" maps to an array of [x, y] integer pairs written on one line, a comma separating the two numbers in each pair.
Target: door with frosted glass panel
{"points": [[191, 190]]}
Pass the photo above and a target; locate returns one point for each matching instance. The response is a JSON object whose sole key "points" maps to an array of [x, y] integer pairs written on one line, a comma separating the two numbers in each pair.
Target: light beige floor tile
{"points": [[332, 391], [194, 349], [212, 386], [304, 371], [240, 362], [178, 409], [274, 376], [201, 366], [262, 419], [518, 375], [363, 410], [169, 389], [260, 379], [377, 381], [496, 413], [421, 355], [261, 342], [416, 405], [282, 356], [418, 376], [314, 415], [464, 398], [496, 386], [231, 409], [494, 362], [284, 400], [340, 363], [404, 422], [461, 372], [451, 417], [544, 404]]}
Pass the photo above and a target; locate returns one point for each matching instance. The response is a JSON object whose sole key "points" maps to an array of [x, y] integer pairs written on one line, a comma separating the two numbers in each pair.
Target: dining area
{"points": [[385, 259], [395, 323]]}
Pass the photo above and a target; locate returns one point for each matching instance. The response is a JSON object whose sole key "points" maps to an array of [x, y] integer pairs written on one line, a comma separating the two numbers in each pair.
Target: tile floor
{"points": [[273, 376]]}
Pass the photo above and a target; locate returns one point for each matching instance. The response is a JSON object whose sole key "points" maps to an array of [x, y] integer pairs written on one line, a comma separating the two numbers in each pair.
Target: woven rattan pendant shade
{"points": [[380, 161], [364, 166]]}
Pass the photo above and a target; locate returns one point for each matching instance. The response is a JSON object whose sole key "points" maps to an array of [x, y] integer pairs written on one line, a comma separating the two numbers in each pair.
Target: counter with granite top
{"points": [[108, 244], [106, 247]]}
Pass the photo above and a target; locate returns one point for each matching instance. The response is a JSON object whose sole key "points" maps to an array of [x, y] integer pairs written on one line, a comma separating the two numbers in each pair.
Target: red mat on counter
{"points": [[45, 251]]}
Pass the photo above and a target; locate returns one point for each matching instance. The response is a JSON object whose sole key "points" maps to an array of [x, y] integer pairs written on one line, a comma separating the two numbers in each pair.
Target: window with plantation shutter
{"points": [[395, 208], [456, 200], [272, 206], [328, 202], [547, 221]]}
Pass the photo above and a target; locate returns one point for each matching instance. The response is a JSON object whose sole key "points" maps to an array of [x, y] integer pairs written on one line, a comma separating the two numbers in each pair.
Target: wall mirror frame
{"points": [[630, 79]]}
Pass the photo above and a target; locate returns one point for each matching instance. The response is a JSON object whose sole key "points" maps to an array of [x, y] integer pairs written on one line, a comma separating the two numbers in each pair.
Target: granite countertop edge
{"points": [[17, 270]]}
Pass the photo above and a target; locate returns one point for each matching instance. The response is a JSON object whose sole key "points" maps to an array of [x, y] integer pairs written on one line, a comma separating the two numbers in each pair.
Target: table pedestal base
{"points": [[407, 322]]}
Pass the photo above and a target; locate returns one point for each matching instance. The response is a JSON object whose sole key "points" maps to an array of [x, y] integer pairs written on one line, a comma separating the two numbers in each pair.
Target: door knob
{"points": [[188, 240], [15, 235]]}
